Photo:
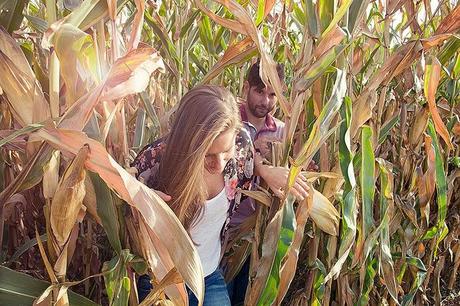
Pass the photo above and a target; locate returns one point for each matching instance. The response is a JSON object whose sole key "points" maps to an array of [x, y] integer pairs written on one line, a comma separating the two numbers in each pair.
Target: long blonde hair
{"points": [[203, 114]]}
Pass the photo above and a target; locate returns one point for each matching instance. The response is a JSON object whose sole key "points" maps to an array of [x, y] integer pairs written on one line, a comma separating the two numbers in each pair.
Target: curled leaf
{"points": [[324, 214], [68, 198]]}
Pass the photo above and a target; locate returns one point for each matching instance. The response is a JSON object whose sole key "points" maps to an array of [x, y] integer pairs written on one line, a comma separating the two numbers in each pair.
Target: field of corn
{"points": [[372, 94]]}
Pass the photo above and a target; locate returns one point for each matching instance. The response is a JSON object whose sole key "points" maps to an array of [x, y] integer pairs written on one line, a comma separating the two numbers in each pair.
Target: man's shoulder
{"points": [[279, 124]]}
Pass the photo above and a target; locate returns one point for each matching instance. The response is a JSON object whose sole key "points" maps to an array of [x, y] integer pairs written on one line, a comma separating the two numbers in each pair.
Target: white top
{"points": [[206, 233]]}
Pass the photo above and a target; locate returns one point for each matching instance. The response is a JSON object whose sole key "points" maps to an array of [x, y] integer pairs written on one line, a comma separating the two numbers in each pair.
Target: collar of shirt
{"points": [[270, 124]]}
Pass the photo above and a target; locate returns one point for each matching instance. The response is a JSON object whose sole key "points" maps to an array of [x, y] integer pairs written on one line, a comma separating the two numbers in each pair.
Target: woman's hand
{"points": [[163, 195], [276, 179]]}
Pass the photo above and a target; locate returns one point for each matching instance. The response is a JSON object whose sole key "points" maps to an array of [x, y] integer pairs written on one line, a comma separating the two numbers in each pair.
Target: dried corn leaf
{"points": [[432, 77], [75, 50], [68, 199], [156, 213], [324, 214], [18, 81], [259, 196], [450, 23], [234, 54], [137, 25], [129, 75], [418, 127], [51, 175]]}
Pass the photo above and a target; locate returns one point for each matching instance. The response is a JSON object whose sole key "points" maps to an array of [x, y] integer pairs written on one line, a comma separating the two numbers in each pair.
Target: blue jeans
{"points": [[237, 287], [215, 291], [143, 287]]}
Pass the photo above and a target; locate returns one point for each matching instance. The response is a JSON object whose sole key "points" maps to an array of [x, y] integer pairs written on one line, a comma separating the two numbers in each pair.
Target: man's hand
{"points": [[263, 145], [276, 179], [313, 166]]}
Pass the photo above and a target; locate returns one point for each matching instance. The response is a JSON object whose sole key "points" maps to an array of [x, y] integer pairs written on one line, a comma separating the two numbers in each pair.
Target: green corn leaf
{"points": [[25, 247], [123, 297], [441, 187], [356, 12], [148, 107], [348, 201], [91, 12], [441, 181], [206, 35], [325, 12], [217, 40], [338, 15], [116, 278], [18, 288], [37, 23], [371, 271], [321, 128], [169, 46], [386, 206], [418, 281], [139, 132], [318, 286], [191, 40], [11, 14], [288, 226], [25, 130], [188, 24], [431, 233], [456, 68], [198, 63], [387, 128], [299, 14], [260, 12], [449, 50], [107, 211], [367, 180], [319, 67], [312, 18]]}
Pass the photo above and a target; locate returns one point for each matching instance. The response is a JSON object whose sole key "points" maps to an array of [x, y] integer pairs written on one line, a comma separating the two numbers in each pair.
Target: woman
{"points": [[201, 164]]}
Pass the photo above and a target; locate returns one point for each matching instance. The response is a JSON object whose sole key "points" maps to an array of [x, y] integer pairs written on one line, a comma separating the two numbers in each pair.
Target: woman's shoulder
{"points": [[244, 156], [243, 139], [149, 156]]}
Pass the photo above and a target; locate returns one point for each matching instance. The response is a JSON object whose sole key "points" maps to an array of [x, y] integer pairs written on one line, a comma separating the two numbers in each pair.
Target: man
{"points": [[256, 112], [257, 116]]}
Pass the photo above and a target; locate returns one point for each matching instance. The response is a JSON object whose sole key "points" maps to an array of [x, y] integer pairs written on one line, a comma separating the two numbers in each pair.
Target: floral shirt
{"points": [[238, 172]]}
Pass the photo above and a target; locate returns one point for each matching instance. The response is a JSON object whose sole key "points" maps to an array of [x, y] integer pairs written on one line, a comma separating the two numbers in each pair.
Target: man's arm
{"points": [[276, 179]]}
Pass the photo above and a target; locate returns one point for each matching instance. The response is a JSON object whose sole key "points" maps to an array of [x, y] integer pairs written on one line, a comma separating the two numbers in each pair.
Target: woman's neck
{"points": [[214, 184]]}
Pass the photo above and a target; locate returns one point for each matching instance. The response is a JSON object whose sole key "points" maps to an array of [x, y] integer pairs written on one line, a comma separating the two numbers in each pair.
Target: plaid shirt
{"points": [[238, 171]]}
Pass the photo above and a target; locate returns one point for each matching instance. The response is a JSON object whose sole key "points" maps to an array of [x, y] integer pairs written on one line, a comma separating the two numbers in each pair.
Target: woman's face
{"points": [[221, 150]]}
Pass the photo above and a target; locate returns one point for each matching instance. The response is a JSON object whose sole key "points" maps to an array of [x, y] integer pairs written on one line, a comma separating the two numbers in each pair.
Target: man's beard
{"points": [[259, 111]]}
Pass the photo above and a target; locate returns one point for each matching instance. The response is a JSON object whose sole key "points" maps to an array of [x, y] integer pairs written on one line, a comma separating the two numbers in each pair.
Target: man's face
{"points": [[261, 100]]}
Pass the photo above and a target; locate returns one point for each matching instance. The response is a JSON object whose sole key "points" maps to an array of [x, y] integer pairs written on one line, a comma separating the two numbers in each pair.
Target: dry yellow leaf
{"points": [[69, 197]]}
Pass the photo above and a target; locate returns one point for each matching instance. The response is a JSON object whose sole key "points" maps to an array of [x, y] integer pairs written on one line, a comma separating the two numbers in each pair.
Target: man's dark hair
{"points": [[254, 77]]}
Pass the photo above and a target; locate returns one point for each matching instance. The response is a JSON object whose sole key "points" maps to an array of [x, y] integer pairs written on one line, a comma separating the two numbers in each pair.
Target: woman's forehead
{"points": [[224, 142]]}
